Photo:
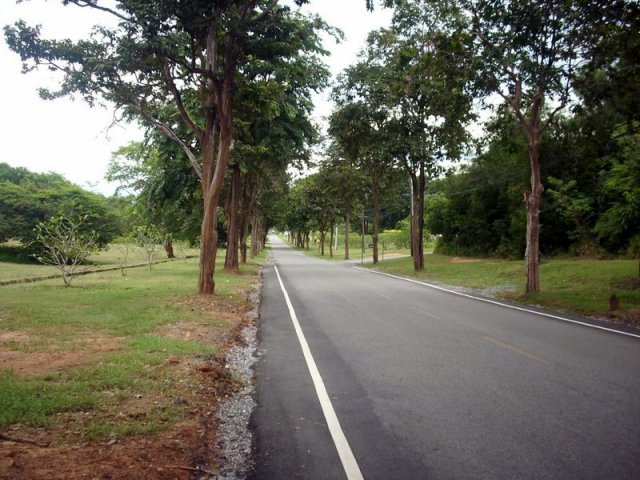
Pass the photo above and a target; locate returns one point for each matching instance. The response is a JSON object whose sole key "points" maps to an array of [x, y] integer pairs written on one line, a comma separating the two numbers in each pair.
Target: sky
{"points": [[72, 139]]}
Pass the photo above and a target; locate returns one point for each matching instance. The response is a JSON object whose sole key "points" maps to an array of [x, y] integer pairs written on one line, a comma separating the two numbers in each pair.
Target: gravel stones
{"points": [[235, 440]]}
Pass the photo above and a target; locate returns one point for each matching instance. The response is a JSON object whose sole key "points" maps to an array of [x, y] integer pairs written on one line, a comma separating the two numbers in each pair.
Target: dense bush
{"points": [[28, 198]]}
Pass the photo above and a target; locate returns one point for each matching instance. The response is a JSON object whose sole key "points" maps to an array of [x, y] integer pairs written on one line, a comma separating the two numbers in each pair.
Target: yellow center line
{"points": [[430, 315], [518, 351], [384, 296]]}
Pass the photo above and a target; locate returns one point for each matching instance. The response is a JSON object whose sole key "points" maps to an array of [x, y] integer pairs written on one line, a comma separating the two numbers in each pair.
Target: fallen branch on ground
{"points": [[9, 438]]}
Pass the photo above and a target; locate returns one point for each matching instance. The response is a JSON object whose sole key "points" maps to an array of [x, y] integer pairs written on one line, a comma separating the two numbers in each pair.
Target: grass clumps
{"points": [[115, 355]]}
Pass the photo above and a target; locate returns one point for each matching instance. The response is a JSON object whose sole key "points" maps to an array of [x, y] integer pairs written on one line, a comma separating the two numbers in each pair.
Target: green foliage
{"points": [[61, 242], [28, 198], [477, 211], [165, 189], [589, 205], [621, 188], [606, 81]]}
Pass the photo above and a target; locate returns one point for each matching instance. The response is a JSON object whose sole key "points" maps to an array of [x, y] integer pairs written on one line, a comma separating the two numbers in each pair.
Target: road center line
{"points": [[424, 312], [349, 463], [384, 296], [517, 350], [494, 302]]}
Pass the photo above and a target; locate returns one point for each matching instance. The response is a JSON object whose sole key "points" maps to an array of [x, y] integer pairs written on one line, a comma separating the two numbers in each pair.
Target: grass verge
{"points": [[113, 357], [580, 286], [16, 263]]}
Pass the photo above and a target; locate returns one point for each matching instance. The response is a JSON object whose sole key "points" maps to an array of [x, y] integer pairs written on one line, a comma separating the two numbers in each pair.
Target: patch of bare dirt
{"points": [[26, 362], [631, 318], [465, 260], [168, 455], [181, 451], [15, 337]]}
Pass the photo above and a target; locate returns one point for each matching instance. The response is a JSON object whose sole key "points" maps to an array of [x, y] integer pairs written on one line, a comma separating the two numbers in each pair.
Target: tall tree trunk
{"points": [[417, 218], [532, 203], [322, 238], [208, 249], [244, 229], [347, 225], [168, 247], [208, 233], [218, 114], [248, 205], [411, 184], [255, 236], [331, 227], [375, 200], [233, 222]]}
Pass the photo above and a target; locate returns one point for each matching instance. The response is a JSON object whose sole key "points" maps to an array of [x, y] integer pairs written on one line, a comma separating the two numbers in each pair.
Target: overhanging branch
{"points": [[88, 3], [168, 79], [168, 132]]}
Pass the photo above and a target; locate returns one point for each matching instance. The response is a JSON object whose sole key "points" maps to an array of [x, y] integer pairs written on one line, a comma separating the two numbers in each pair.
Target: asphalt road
{"points": [[426, 384]]}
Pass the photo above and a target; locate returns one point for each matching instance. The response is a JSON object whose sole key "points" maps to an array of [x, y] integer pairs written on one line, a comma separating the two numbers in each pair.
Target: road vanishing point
{"points": [[367, 376]]}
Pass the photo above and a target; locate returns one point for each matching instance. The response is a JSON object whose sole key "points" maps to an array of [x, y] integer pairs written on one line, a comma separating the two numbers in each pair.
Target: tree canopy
{"points": [[175, 65], [28, 198]]}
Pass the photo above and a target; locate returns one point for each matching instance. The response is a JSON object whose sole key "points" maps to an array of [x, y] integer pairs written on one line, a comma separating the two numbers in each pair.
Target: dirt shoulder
{"points": [[184, 448]]}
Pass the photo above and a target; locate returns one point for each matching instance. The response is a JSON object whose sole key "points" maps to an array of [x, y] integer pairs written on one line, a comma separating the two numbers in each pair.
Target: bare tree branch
{"points": [[266, 11], [167, 131], [168, 79], [90, 4]]}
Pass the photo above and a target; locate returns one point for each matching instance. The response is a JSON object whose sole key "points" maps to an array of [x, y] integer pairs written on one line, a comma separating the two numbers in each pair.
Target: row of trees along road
{"points": [[404, 109], [229, 83], [178, 67], [187, 69]]}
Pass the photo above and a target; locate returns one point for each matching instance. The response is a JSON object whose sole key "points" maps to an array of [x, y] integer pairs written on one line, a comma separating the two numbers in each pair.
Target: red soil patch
{"points": [[30, 362], [185, 450]]}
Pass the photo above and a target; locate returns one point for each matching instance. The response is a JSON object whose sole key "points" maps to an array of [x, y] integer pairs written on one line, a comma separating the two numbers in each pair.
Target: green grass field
{"points": [[113, 256], [106, 340], [581, 286]]}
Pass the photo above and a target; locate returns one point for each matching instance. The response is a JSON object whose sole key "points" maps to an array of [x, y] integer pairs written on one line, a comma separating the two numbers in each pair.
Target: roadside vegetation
{"points": [[574, 285], [115, 366], [224, 97], [17, 264], [551, 171]]}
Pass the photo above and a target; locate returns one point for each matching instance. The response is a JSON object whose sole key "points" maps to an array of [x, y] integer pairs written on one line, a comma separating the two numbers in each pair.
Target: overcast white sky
{"points": [[76, 141]]}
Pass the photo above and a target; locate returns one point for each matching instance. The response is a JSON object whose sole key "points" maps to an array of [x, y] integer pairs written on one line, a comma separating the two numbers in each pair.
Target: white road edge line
{"points": [[349, 463], [494, 302]]}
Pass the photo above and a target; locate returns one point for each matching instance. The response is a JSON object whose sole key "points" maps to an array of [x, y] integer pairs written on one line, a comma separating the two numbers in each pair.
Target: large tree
{"points": [[188, 51], [421, 66], [429, 67], [273, 131], [358, 128], [528, 52]]}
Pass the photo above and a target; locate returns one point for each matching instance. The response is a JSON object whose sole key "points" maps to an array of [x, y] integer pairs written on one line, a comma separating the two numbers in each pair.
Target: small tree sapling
{"points": [[63, 244]]}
